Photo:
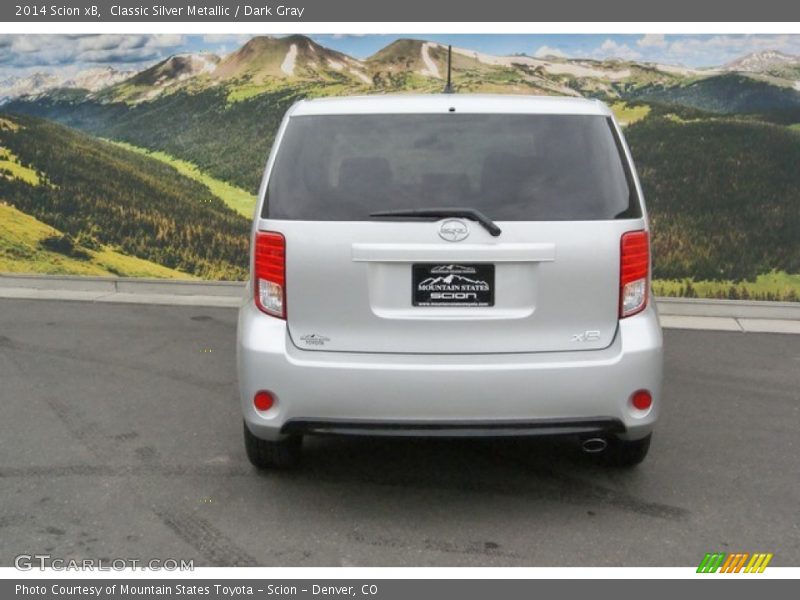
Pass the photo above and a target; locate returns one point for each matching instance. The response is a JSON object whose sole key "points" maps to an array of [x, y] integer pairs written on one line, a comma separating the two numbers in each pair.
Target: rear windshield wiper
{"points": [[465, 213]]}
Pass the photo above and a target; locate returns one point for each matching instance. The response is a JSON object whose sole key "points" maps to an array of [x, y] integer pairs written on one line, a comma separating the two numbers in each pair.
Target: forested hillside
{"points": [[228, 141], [102, 195], [723, 195], [729, 93]]}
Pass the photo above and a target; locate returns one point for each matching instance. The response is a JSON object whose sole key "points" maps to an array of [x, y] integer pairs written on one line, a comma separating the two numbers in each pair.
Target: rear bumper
{"points": [[495, 428], [545, 393]]}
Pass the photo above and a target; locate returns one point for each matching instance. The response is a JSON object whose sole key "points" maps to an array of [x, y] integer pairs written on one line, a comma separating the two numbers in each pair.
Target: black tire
{"points": [[626, 453], [264, 454]]}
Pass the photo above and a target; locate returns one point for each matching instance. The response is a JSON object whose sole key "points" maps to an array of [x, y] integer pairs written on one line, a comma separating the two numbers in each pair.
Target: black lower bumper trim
{"points": [[516, 428]]}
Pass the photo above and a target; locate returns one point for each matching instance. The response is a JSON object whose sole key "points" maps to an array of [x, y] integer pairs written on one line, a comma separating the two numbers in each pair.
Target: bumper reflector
{"points": [[642, 400], [263, 401]]}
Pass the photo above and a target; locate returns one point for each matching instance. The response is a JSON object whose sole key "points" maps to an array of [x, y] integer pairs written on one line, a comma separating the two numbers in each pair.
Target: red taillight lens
{"points": [[263, 400], [269, 266], [633, 273], [641, 400]]}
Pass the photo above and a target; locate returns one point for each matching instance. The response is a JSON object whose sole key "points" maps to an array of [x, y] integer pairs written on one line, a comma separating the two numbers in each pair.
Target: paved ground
{"points": [[120, 436]]}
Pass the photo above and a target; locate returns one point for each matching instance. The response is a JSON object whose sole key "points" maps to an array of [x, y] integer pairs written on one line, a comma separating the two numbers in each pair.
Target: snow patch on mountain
{"points": [[430, 70], [758, 62], [555, 67], [287, 66], [361, 76], [96, 79], [678, 70], [577, 69], [487, 59], [36, 83]]}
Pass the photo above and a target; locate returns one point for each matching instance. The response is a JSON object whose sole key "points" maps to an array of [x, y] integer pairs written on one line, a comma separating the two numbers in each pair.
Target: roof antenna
{"points": [[448, 88]]}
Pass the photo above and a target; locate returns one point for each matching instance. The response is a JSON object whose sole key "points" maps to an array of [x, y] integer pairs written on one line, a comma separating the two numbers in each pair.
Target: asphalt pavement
{"points": [[120, 437]]}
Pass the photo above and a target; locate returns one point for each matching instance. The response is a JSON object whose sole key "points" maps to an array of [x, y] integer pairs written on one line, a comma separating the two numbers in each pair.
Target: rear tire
{"points": [[626, 453], [266, 454]]}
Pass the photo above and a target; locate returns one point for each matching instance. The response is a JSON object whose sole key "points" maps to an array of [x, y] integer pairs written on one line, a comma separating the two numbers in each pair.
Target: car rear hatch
{"points": [[556, 186]]}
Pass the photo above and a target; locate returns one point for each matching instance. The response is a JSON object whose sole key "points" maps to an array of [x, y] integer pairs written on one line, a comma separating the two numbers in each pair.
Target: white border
{"points": [[607, 28], [378, 573]]}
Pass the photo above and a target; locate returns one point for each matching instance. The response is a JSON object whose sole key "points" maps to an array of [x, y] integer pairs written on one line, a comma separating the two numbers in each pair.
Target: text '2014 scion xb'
{"points": [[449, 265]]}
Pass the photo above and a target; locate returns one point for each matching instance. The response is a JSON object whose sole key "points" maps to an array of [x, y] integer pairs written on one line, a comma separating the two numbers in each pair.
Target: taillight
{"points": [[269, 266], [633, 273]]}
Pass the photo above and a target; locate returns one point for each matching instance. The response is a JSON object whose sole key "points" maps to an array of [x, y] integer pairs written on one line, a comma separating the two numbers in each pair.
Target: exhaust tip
{"points": [[594, 445]]}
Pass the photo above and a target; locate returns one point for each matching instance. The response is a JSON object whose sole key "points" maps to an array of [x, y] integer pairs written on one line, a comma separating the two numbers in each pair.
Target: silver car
{"points": [[450, 265]]}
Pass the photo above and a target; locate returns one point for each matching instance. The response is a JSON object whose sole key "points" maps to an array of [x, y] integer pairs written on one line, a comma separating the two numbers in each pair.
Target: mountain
{"points": [[762, 62], [101, 197], [266, 64], [421, 66], [770, 66], [161, 77], [33, 84], [261, 64], [95, 79], [726, 93], [419, 57], [36, 84], [293, 57]]}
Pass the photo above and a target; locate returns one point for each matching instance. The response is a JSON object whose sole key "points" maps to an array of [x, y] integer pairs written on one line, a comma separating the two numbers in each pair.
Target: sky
{"points": [[23, 54]]}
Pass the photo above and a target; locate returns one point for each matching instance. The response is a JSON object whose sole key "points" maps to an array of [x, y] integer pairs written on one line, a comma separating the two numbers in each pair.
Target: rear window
{"points": [[510, 167]]}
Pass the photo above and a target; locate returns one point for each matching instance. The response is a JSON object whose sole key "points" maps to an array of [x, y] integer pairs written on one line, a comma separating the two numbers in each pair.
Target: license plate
{"points": [[436, 284]]}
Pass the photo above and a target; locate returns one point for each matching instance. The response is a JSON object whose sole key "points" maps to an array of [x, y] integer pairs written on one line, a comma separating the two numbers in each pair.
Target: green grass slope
{"points": [[776, 285], [234, 197], [24, 248]]}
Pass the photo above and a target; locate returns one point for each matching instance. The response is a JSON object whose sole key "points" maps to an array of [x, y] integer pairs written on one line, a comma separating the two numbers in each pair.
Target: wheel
{"points": [[265, 454], [626, 453]]}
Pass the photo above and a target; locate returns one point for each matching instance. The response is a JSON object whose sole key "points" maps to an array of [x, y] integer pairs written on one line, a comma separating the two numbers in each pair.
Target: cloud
{"points": [[612, 49], [652, 40], [697, 50], [721, 48], [714, 50], [56, 50], [545, 51], [223, 43], [226, 38]]}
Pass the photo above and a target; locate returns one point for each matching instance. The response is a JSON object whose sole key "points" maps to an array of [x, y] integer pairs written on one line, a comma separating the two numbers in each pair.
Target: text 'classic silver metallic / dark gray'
{"points": [[450, 265]]}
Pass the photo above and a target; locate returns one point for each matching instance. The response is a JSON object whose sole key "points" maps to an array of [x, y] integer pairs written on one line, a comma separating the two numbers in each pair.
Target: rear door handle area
{"points": [[495, 253]]}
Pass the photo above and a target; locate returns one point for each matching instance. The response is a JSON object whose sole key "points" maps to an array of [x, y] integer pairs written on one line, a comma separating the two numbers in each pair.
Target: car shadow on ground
{"points": [[552, 469]]}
